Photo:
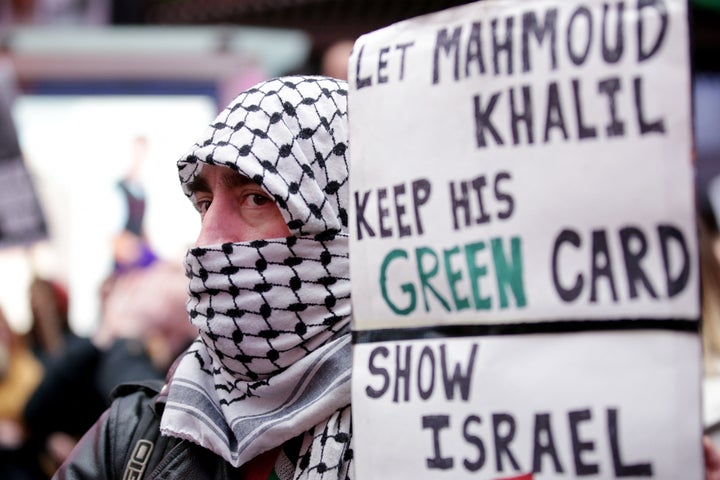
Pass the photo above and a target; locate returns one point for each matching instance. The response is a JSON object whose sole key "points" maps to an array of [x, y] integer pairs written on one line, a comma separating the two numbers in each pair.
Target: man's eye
{"points": [[202, 205], [259, 200]]}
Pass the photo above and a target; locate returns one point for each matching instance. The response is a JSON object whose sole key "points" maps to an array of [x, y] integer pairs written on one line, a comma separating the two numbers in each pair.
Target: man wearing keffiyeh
{"points": [[264, 392]]}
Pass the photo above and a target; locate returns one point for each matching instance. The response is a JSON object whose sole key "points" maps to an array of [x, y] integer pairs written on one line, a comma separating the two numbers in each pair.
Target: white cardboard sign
{"points": [[543, 407], [556, 184], [522, 211]]}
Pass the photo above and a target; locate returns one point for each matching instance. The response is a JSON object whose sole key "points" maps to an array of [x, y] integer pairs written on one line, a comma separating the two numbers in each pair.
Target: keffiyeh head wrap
{"points": [[273, 357]]}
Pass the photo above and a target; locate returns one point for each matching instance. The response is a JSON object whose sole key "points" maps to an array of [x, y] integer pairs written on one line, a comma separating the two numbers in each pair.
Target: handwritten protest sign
{"points": [[523, 252]]}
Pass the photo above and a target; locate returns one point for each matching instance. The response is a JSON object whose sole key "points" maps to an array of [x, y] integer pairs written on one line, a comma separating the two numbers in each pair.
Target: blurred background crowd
{"points": [[98, 98]]}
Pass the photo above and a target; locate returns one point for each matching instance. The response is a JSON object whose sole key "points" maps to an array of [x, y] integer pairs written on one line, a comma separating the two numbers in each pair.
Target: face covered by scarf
{"points": [[273, 357]]}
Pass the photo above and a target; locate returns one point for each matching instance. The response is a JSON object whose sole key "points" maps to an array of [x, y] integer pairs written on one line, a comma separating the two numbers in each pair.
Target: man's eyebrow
{"points": [[198, 184], [230, 179]]}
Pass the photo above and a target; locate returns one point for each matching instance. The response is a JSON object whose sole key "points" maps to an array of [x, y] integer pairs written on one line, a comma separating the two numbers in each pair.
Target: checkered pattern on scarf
{"points": [[263, 305], [273, 360], [327, 451], [289, 135]]}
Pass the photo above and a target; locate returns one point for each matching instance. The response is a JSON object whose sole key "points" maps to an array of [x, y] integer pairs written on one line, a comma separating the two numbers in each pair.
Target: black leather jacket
{"points": [[125, 443]]}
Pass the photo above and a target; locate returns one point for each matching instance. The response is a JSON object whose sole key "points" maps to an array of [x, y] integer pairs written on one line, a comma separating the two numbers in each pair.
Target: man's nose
{"points": [[220, 224]]}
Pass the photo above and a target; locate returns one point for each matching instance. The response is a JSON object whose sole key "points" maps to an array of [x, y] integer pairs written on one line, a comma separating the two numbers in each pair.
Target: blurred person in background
{"points": [[709, 246], [50, 332], [265, 390], [20, 373], [335, 59], [143, 329], [148, 304], [131, 248]]}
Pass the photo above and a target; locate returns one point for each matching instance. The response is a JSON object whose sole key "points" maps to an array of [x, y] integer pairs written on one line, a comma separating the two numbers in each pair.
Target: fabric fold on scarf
{"points": [[194, 413]]}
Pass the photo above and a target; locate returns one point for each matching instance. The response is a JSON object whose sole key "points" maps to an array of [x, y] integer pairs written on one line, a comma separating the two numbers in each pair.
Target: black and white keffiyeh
{"points": [[273, 357]]}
